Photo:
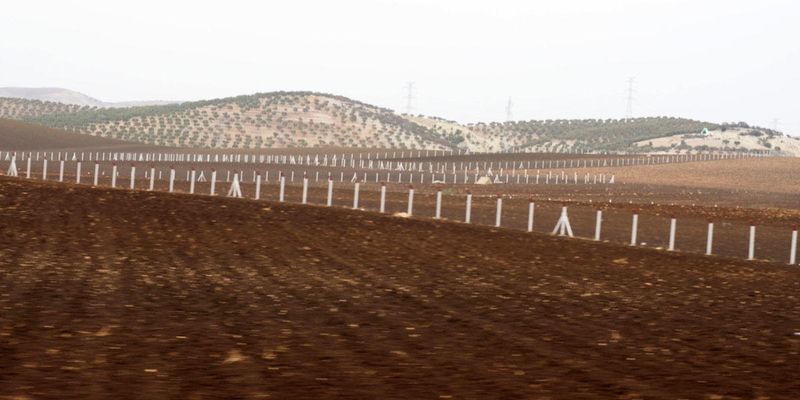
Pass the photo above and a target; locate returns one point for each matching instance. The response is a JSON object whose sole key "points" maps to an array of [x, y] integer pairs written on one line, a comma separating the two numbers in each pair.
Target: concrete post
{"points": [[751, 245], [672, 225], [410, 201], [383, 197], [258, 186], [356, 189], [304, 198], [793, 249], [598, 224], [468, 208], [133, 177], [282, 190], [499, 212], [330, 191], [438, 214], [213, 189], [710, 238]]}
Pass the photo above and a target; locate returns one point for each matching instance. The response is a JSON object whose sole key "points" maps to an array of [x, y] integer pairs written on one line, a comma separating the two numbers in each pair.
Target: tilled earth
{"points": [[111, 293]]}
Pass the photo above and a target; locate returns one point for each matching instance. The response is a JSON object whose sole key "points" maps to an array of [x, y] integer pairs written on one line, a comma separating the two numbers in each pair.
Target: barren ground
{"points": [[109, 293]]}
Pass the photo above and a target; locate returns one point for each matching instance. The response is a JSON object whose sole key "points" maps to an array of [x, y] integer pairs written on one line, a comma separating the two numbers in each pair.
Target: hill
{"points": [[66, 96], [277, 119], [309, 119], [18, 135]]}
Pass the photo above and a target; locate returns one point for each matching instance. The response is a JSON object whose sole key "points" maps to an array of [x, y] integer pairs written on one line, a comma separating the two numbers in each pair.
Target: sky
{"points": [[711, 60]]}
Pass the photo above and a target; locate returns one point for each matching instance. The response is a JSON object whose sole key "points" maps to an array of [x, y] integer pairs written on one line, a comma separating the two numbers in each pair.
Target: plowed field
{"points": [[129, 294]]}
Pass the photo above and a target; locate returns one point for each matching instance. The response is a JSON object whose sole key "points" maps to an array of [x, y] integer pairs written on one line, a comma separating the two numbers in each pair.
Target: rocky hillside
{"points": [[307, 119]]}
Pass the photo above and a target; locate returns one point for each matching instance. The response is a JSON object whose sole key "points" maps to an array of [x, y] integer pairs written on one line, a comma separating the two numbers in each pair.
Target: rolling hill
{"points": [[66, 96], [19, 135], [309, 119]]}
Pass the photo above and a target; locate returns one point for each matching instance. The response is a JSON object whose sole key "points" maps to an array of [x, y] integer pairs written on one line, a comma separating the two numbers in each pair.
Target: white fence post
{"points": [[468, 208], [438, 214], [28, 171], [114, 175], [133, 176], [282, 190], [634, 227], [672, 225], [96, 173], [751, 245], [44, 168], [531, 210], [563, 226], [258, 185], [235, 190], [304, 198], [78, 173], [499, 212], [192, 179], [598, 224], [330, 190], [213, 189], [710, 238], [793, 249], [356, 189], [61, 171], [410, 210], [152, 178], [383, 197], [171, 179]]}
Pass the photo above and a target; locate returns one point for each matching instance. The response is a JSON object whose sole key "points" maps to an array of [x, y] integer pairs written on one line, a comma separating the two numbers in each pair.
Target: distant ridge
{"points": [[67, 96], [310, 119]]}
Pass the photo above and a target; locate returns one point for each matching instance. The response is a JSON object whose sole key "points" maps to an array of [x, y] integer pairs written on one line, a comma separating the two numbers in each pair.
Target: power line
{"points": [[409, 96], [509, 115]]}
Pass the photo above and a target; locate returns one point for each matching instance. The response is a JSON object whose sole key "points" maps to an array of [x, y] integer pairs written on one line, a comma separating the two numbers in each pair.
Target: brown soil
{"points": [[18, 135], [110, 293], [732, 210], [771, 175]]}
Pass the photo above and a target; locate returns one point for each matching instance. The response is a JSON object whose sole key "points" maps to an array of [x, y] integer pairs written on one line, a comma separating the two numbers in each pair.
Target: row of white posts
{"points": [[439, 167], [563, 178], [562, 226], [297, 159], [751, 242]]}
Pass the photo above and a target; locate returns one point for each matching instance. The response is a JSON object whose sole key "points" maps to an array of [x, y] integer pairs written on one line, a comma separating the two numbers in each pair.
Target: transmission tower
{"points": [[775, 124], [509, 115], [629, 108], [409, 96]]}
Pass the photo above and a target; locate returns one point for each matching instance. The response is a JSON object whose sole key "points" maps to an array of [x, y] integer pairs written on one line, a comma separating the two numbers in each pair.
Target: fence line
{"points": [[562, 227]]}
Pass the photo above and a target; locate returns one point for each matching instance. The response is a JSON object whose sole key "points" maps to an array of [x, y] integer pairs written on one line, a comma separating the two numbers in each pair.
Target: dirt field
{"points": [[770, 175], [18, 135], [110, 293]]}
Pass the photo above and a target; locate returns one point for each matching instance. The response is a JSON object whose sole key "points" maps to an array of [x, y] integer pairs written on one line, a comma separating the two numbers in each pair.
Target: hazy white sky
{"points": [[717, 60]]}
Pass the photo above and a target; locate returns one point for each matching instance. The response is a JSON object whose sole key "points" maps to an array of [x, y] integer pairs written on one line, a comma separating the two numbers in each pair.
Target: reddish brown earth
{"points": [[110, 293], [731, 209], [18, 135]]}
